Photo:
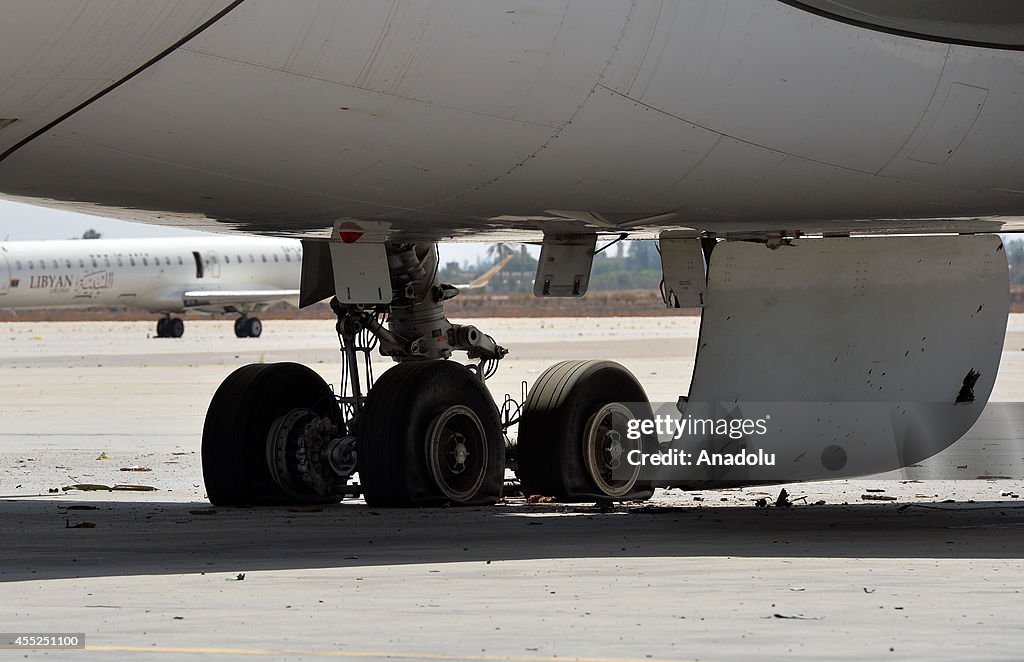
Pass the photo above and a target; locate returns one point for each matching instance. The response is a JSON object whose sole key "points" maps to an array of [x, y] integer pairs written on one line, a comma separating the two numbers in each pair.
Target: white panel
{"points": [[955, 116], [5, 273], [564, 266], [361, 272], [682, 261], [989, 154], [861, 343], [786, 79], [490, 58], [585, 166]]}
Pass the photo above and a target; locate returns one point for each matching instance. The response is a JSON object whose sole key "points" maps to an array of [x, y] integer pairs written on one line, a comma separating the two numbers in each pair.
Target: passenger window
{"points": [[275, 258], [239, 259], [287, 257], [264, 257], [81, 264], [67, 263], [31, 265], [251, 258], [181, 263], [94, 263], [120, 262], [227, 259], [132, 261]]}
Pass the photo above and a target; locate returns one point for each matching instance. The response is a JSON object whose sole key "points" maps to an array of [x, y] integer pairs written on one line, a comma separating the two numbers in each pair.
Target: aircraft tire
{"points": [[552, 452], [254, 327], [161, 327], [240, 417], [175, 327], [430, 435], [240, 330]]}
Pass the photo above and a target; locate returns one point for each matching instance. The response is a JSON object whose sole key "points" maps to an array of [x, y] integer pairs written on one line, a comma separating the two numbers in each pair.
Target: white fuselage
{"points": [[454, 117], [150, 274]]}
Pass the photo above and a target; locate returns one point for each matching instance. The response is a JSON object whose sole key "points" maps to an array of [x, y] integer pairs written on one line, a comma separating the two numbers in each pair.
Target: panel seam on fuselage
{"points": [[110, 88]]}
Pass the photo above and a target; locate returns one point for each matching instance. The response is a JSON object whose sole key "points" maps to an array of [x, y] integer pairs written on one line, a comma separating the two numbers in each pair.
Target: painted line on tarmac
{"points": [[360, 655]]}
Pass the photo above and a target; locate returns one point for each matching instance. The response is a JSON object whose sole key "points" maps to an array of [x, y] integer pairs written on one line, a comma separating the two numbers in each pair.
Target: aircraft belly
{"points": [[55, 56], [452, 117]]}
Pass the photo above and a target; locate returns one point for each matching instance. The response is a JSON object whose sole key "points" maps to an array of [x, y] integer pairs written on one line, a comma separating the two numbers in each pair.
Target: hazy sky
{"points": [[20, 222]]}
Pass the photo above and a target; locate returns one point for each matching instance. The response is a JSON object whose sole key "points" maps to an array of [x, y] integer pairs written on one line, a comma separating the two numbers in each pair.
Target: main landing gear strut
{"points": [[428, 431]]}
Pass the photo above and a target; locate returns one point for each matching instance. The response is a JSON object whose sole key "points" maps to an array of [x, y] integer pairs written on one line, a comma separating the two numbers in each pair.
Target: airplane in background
{"points": [[826, 180], [167, 276]]}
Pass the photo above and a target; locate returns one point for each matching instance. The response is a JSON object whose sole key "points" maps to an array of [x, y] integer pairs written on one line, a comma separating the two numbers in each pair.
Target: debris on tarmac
{"points": [[88, 487], [96, 487], [135, 468], [877, 497], [783, 500], [797, 617], [103, 456], [80, 525]]}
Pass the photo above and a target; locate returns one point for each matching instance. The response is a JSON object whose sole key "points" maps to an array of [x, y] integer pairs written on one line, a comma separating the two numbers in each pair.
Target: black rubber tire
{"points": [[550, 451], [393, 428], [161, 327], [254, 327], [240, 328], [175, 327], [234, 449]]}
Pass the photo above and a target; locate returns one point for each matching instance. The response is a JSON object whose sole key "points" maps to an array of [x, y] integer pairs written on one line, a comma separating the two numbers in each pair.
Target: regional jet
{"points": [[825, 180], [238, 275]]}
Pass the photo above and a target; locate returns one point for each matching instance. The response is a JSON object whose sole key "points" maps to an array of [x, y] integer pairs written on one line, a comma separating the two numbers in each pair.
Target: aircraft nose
{"points": [[56, 56]]}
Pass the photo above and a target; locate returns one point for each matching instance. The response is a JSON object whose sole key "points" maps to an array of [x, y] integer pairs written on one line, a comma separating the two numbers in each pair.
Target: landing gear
{"points": [[274, 435], [170, 327], [573, 441], [427, 433], [248, 327], [430, 434]]}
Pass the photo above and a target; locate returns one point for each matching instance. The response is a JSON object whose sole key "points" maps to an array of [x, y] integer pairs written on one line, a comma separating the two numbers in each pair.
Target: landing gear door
{"points": [[682, 263], [359, 262], [564, 266], [5, 273]]}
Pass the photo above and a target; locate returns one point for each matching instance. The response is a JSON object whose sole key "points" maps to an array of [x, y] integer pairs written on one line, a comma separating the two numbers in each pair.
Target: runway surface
{"points": [[707, 575]]}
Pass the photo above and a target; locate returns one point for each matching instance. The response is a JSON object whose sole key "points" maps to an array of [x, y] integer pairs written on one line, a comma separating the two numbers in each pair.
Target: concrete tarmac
{"points": [[704, 575]]}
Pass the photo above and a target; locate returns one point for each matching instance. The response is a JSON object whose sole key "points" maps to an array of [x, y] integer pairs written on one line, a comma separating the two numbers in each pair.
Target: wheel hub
{"points": [[604, 448], [456, 451], [307, 455]]}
